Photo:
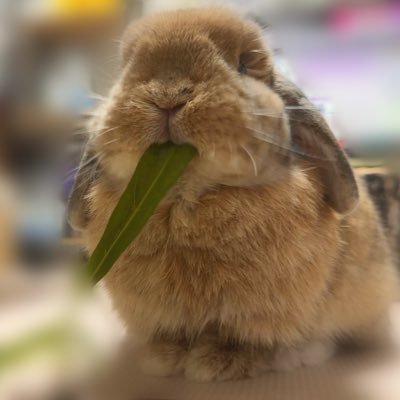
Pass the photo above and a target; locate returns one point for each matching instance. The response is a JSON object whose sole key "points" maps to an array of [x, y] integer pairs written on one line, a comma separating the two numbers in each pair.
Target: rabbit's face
{"points": [[201, 77]]}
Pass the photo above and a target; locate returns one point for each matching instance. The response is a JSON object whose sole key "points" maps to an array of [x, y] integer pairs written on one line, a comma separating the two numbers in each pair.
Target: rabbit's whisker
{"points": [[257, 51], [73, 171], [94, 113], [138, 105], [112, 141], [253, 161], [113, 62], [264, 114], [89, 177], [257, 39], [117, 41], [97, 96], [107, 81], [266, 137], [267, 140], [107, 131], [282, 116], [105, 73], [84, 131], [299, 108], [309, 169], [91, 159]]}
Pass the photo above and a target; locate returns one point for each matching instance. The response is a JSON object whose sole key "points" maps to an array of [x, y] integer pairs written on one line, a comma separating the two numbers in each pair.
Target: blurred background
{"points": [[58, 59]]}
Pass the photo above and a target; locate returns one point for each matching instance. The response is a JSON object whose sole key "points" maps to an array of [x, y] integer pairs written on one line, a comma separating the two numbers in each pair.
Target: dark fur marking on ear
{"points": [[311, 134]]}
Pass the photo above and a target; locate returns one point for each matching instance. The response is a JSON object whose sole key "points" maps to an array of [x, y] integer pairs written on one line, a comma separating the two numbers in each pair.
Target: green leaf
{"points": [[157, 171]]}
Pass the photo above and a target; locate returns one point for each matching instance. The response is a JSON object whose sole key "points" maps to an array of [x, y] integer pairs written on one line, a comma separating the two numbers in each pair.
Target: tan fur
{"points": [[245, 257]]}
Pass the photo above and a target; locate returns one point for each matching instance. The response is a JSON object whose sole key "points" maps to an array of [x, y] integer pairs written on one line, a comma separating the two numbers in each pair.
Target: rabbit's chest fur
{"points": [[234, 255]]}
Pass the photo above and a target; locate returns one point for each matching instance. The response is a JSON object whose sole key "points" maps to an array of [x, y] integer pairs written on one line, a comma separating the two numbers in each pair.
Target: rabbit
{"points": [[268, 251]]}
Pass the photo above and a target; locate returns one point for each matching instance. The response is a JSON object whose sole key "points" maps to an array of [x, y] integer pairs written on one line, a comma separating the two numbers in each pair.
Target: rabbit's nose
{"points": [[171, 100]]}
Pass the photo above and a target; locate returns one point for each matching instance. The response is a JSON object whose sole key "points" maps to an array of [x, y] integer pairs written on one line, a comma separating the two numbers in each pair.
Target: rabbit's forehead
{"points": [[227, 30]]}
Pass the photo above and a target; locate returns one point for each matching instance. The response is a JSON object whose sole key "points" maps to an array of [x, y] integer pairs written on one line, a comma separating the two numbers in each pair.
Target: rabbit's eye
{"points": [[242, 68]]}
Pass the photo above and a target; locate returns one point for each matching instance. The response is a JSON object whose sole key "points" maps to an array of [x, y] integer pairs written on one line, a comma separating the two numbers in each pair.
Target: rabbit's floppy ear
{"points": [[78, 204], [311, 136]]}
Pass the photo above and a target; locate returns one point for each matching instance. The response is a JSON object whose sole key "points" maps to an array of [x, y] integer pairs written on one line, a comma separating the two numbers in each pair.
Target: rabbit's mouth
{"points": [[169, 128], [164, 134], [170, 122]]}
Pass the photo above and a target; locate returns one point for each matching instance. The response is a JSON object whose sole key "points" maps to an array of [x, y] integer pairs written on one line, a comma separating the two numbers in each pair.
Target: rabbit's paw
{"points": [[210, 360], [163, 359], [312, 353]]}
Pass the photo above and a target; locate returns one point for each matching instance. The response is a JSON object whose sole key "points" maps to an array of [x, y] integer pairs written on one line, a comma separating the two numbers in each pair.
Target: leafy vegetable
{"points": [[157, 171]]}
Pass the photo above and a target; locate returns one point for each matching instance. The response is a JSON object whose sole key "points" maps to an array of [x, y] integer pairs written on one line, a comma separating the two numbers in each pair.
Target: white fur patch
{"points": [[313, 353], [121, 166]]}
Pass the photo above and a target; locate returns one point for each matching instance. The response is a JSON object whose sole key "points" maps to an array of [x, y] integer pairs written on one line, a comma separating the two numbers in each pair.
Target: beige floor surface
{"points": [[363, 376], [372, 376]]}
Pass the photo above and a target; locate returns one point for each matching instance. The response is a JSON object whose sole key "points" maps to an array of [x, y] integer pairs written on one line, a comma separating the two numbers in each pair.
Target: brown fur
{"points": [[257, 249]]}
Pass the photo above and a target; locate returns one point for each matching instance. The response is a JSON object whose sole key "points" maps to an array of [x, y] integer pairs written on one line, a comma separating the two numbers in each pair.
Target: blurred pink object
{"points": [[348, 19]]}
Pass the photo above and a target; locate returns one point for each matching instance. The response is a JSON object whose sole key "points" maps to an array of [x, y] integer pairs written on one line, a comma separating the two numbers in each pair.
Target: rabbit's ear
{"points": [[78, 204], [312, 137]]}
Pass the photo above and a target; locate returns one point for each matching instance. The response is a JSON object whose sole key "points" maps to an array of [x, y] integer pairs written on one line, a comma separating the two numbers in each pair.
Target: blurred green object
{"points": [[157, 171], [366, 163], [49, 339]]}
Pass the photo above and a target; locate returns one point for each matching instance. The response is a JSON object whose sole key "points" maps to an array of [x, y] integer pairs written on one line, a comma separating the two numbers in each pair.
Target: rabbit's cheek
{"points": [[120, 167], [225, 165]]}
